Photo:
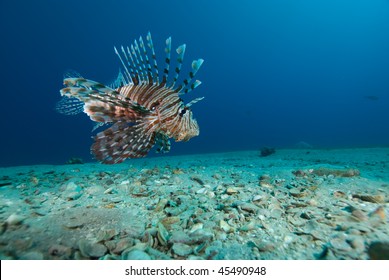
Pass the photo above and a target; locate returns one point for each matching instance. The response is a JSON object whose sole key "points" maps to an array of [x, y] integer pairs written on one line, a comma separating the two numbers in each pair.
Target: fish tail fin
{"points": [[122, 141], [69, 106]]}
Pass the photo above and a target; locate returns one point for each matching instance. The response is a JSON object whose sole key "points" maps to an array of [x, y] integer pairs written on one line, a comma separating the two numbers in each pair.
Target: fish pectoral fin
{"points": [[122, 141]]}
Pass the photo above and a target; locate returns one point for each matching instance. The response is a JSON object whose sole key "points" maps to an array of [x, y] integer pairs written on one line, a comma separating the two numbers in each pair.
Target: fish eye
{"points": [[183, 111], [154, 105]]}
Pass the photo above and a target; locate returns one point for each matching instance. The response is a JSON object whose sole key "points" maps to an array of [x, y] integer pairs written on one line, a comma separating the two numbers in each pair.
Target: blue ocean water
{"points": [[276, 72]]}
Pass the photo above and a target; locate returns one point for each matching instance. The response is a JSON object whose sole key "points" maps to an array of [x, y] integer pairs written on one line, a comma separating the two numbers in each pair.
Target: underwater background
{"points": [[276, 72]]}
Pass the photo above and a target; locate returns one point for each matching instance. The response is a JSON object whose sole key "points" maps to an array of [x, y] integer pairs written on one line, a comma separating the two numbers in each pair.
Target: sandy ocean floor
{"points": [[294, 204]]}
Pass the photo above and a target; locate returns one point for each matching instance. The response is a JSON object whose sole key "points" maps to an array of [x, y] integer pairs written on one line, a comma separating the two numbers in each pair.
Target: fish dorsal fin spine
{"points": [[192, 86], [127, 73], [194, 101], [187, 84], [118, 82], [138, 65], [139, 69], [149, 70], [151, 46], [142, 62], [133, 71], [133, 67], [180, 58], [168, 48]]}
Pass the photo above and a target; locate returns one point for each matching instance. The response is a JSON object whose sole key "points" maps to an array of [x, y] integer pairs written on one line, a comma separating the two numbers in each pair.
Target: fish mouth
{"points": [[183, 138], [186, 136]]}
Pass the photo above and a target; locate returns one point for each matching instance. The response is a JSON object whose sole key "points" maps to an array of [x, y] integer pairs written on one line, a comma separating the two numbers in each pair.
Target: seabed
{"points": [[294, 204]]}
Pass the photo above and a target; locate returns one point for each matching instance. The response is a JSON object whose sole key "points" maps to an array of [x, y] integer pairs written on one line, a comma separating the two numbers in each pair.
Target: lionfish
{"points": [[144, 107]]}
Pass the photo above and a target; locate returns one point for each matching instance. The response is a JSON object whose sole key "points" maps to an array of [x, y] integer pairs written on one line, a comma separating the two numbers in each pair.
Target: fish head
{"points": [[189, 127]]}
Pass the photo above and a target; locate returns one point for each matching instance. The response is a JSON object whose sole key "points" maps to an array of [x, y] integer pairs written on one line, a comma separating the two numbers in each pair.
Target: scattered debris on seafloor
{"points": [[234, 206], [267, 151], [75, 160]]}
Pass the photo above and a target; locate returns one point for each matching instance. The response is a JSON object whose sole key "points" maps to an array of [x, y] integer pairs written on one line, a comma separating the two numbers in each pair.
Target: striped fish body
{"points": [[143, 109]]}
